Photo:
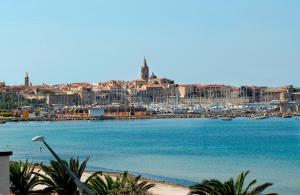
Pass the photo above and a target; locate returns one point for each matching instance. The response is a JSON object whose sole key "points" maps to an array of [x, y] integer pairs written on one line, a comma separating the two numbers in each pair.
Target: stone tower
{"points": [[145, 71], [26, 80]]}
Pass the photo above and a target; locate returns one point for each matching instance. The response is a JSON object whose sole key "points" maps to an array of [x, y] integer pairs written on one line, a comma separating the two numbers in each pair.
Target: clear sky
{"points": [[254, 42]]}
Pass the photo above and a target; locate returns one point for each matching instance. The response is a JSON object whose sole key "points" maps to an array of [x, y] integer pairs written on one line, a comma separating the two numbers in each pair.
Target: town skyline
{"points": [[28, 82], [253, 43]]}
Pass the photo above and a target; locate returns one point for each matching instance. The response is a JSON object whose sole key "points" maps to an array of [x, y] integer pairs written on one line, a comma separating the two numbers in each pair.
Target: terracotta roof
{"points": [[152, 86]]}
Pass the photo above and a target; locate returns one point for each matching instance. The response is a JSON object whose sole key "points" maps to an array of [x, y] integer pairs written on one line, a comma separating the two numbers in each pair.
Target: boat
{"points": [[259, 117], [3, 121], [180, 110], [226, 119], [198, 109], [286, 116]]}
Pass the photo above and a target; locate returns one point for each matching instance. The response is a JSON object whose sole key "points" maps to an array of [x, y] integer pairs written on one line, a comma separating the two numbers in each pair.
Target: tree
{"points": [[229, 187], [22, 178], [123, 185], [57, 180]]}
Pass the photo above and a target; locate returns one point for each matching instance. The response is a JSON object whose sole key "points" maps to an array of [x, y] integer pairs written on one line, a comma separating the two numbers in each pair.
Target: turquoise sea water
{"points": [[177, 150]]}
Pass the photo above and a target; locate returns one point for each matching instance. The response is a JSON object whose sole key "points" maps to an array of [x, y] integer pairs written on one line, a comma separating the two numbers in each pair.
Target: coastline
{"points": [[160, 188], [159, 116]]}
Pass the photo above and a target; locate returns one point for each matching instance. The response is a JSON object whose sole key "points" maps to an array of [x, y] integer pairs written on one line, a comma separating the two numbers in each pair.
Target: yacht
{"points": [[260, 117], [226, 118], [286, 116], [179, 110], [198, 109]]}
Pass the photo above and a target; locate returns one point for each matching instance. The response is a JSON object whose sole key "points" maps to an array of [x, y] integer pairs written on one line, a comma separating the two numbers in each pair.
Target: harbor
{"points": [[151, 111]]}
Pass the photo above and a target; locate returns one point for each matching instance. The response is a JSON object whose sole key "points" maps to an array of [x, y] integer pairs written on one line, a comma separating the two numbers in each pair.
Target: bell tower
{"points": [[26, 80], [145, 71]]}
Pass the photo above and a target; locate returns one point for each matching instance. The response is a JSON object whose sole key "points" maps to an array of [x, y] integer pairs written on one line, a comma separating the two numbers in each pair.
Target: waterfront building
{"points": [[87, 97], [220, 94], [111, 92], [156, 93], [151, 93], [62, 99], [296, 99]]}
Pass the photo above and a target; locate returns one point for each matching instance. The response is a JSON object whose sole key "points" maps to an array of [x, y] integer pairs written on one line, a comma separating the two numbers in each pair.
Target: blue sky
{"points": [[254, 42]]}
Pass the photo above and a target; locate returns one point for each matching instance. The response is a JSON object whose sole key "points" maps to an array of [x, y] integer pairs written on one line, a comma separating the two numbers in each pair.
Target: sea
{"points": [[182, 151]]}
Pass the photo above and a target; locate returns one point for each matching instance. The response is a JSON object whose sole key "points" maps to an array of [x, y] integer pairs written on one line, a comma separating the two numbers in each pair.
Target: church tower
{"points": [[26, 80], [145, 71]]}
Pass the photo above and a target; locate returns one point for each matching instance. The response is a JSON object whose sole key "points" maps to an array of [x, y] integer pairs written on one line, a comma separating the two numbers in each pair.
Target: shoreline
{"points": [[160, 188], [158, 116]]}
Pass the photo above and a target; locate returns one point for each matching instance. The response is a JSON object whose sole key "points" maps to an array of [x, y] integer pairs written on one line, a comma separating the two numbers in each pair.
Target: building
{"points": [[211, 94], [26, 83], [161, 81], [110, 92], [145, 71], [4, 176], [151, 93], [63, 99], [87, 97]]}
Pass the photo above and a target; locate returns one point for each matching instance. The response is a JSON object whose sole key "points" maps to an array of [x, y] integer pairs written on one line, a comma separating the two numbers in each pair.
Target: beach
{"points": [[160, 188]]}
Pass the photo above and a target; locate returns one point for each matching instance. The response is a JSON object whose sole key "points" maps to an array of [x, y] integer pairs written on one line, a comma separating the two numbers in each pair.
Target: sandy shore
{"points": [[160, 188]]}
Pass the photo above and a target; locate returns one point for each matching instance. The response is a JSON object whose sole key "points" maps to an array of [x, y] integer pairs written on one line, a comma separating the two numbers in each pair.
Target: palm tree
{"points": [[123, 185], [57, 180], [230, 187], [140, 187], [22, 178]]}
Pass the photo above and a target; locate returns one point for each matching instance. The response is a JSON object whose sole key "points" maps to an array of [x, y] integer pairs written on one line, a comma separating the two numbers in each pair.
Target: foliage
{"points": [[13, 100], [230, 187], [22, 178], [57, 180], [123, 185]]}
